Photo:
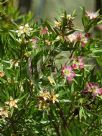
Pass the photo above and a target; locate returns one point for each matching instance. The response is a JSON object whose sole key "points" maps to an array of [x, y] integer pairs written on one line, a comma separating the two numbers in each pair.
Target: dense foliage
{"points": [[50, 75]]}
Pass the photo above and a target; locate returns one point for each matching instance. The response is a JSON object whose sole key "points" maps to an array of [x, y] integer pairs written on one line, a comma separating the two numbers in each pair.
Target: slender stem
{"points": [[56, 127], [62, 116], [13, 126]]}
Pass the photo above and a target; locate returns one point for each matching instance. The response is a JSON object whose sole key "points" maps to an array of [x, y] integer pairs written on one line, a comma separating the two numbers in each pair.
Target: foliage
{"points": [[39, 94]]}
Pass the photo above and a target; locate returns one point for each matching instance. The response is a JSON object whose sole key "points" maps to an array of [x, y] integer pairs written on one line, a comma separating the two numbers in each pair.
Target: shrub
{"points": [[50, 76]]}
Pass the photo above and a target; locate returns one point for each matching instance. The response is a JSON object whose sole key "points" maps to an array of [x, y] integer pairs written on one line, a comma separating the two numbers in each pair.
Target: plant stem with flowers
{"points": [[49, 85]]}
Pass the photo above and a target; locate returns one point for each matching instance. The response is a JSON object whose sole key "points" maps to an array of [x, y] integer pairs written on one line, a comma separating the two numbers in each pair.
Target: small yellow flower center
{"points": [[67, 72]]}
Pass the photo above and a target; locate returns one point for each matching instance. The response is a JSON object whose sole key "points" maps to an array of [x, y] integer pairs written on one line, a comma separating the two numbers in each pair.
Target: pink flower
{"points": [[78, 37], [82, 38], [72, 37], [78, 63], [93, 88], [44, 31], [68, 73], [34, 42]]}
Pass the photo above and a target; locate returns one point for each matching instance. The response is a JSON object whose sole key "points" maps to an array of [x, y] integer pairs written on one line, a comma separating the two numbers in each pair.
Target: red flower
{"points": [[87, 35]]}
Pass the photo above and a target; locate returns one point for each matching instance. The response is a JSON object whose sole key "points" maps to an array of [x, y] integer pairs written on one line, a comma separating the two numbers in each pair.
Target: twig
{"points": [[62, 116], [54, 124]]}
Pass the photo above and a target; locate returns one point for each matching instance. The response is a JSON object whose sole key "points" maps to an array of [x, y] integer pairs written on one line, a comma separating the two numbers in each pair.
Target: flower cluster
{"points": [[78, 63], [45, 98], [92, 88], [4, 111], [24, 31], [65, 19], [69, 71], [57, 23], [78, 37]]}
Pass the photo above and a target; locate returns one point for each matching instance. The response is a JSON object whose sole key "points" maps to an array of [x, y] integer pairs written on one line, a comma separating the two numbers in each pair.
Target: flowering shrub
{"points": [[43, 92]]}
